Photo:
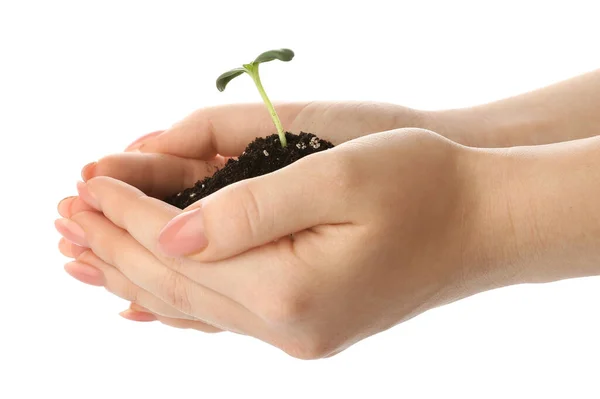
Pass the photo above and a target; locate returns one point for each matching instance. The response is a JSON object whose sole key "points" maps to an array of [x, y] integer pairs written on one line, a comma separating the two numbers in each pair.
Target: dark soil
{"points": [[263, 155]]}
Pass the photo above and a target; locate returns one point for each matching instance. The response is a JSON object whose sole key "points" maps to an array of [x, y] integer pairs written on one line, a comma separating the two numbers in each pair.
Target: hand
{"points": [[366, 253], [211, 135], [187, 152]]}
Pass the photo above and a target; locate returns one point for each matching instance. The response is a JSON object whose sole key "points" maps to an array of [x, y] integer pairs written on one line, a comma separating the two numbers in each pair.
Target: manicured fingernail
{"points": [[137, 316], [87, 196], [64, 207], [85, 273], [140, 141], [184, 234], [71, 231], [88, 171]]}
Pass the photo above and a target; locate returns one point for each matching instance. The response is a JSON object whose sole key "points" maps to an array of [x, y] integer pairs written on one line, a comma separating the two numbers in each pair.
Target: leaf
{"points": [[282, 54], [225, 78]]}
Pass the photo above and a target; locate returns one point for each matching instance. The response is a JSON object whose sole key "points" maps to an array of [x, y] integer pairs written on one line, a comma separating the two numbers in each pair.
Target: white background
{"points": [[81, 79]]}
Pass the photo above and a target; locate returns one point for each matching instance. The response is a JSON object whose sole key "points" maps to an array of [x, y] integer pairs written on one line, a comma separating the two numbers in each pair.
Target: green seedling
{"points": [[252, 70]]}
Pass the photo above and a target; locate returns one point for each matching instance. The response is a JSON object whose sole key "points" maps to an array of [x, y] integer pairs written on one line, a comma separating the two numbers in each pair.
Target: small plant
{"points": [[252, 70]]}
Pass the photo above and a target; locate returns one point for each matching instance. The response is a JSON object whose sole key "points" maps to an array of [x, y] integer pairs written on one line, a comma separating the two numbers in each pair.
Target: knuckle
{"points": [[100, 242], [88, 257], [251, 216], [340, 173], [286, 306], [127, 291], [103, 165], [175, 292], [104, 168], [107, 246], [176, 264], [307, 347]]}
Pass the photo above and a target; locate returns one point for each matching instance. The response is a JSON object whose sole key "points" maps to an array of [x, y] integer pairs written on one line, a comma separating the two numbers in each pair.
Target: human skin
{"points": [[568, 133], [369, 255]]}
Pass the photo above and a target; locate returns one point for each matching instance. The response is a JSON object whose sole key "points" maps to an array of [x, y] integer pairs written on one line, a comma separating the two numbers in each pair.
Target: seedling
{"points": [[262, 155], [252, 70]]}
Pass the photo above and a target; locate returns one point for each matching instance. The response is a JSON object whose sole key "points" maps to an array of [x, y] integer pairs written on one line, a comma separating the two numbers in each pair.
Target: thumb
{"points": [[222, 130], [141, 140], [310, 192]]}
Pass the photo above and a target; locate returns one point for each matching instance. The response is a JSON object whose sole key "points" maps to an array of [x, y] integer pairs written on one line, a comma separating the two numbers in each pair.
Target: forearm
{"points": [[539, 213], [564, 111]]}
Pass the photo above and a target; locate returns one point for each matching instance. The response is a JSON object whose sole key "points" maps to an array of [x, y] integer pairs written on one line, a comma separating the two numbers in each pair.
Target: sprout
{"points": [[252, 70]]}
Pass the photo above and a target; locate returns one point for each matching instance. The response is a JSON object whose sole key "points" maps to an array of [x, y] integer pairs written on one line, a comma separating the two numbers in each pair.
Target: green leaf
{"points": [[282, 54], [228, 76]]}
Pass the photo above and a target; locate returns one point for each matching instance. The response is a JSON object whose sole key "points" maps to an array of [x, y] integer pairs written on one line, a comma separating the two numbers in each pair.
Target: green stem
{"points": [[263, 94]]}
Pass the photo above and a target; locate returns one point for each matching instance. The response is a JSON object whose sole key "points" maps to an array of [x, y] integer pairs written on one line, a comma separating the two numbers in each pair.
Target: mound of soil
{"points": [[263, 155]]}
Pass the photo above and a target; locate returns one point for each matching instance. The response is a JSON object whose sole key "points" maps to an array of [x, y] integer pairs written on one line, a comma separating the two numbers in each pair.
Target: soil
{"points": [[263, 155]]}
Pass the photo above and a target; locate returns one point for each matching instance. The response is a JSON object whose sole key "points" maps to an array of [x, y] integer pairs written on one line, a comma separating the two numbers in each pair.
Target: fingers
{"points": [[249, 293], [157, 175], [129, 208], [90, 269], [115, 246], [118, 285], [233, 278], [271, 285], [189, 324], [311, 192], [224, 130], [139, 313]]}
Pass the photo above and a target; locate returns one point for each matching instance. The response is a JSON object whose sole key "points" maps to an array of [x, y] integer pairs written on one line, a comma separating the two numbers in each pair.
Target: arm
{"points": [[563, 111], [560, 112]]}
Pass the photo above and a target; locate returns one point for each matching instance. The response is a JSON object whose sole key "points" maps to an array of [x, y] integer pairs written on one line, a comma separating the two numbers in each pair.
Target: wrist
{"points": [[495, 125], [536, 213], [556, 190]]}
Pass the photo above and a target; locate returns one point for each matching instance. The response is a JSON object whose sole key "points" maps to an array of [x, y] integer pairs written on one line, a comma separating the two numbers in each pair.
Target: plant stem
{"points": [[263, 94]]}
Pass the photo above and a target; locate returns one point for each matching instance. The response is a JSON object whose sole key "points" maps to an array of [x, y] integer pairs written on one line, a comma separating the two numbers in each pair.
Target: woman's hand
{"points": [[383, 229], [186, 154], [203, 140]]}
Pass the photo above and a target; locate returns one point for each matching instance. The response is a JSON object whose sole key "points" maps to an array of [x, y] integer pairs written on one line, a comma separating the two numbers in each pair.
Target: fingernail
{"points": [[88, 171], [137, 316], [71, 231], [184, 234], [85, 273], [140, 141], [64, 207], [87, 196]]}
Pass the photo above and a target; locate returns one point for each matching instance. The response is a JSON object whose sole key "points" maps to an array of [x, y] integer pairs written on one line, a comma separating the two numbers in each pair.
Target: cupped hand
{"points": [[167, 161], [312, 258], [88, 268], [164, 162]]}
